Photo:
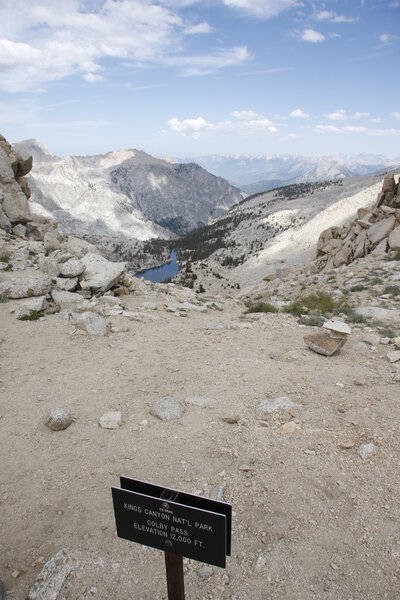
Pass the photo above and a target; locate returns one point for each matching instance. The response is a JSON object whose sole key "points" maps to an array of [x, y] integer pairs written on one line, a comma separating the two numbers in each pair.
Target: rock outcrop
{"points": [[37, 261], [374, 232]]}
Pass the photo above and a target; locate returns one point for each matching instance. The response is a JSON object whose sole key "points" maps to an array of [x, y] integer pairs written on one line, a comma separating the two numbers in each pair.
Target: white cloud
{"points": [[310, 35], [395, 115], [208, 63], [264, 9], [332, 17], [338, 115], [45, 40], [246, 123], [247, 115], [385, 38], [327, 129], [92, 78], [203, 27], [299, 114], [361, 115]]}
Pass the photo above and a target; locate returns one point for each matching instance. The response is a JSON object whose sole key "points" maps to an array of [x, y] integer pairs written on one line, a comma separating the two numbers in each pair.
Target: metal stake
{"points": [[175, 580]]}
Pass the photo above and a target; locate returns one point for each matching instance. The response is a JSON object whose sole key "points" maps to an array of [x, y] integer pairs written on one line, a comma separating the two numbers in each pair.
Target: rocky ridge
{"points": [[375, 231]]}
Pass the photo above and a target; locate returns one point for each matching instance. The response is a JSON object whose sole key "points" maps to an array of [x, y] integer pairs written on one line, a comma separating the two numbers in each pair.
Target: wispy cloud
{"points": [[310, 35], [332, 17], [357, 129], [337, 115], [263, 9], [204, 64], [55, 40], [395, 115], [386, 38]]}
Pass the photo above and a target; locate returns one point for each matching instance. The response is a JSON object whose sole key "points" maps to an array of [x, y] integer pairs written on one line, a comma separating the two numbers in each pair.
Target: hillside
{"points": [[126, 193]]}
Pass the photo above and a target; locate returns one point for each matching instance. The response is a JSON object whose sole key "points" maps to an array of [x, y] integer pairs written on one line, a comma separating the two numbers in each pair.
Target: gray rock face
{"points": [[48, 265], [72, 268], [79, 247], [394, 239], [380, 230], [58, 419], [38, 304], [51, 241], [67, 284], [21, 285], [66, 299], [100, 274], [167, 409], [15, 206]]}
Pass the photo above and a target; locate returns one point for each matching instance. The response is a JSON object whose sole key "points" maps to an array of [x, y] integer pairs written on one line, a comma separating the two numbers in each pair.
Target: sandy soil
{"points": [[311, 520]]}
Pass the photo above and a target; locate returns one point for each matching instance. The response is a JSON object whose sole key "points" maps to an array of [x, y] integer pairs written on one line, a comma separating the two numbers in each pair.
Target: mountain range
{"points": [[255, 174]]}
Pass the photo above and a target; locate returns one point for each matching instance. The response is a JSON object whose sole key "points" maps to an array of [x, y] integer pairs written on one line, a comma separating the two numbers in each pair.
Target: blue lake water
{"points": [[158, 274]]}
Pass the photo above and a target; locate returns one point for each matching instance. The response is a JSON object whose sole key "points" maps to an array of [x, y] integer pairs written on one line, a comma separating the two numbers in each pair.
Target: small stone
{"points": [[266, 407], [58, 419], [204, 572], [110, 420], [15, 574], [261, 562], [337, 328], [323, 344], [346, 445], [359, 382], [246, 468], [288, 428], [91, 322], [366, 450], [167, 409], [393, 356], [199, 401], [231, 420]]}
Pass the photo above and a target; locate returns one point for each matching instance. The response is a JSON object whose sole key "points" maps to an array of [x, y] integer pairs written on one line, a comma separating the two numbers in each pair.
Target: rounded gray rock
{"points": [[58, 419], [72, 268], [167, 409]]}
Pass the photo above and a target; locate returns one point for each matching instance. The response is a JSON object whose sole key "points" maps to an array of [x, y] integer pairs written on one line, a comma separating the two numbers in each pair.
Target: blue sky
{"points": [[191, 77]]}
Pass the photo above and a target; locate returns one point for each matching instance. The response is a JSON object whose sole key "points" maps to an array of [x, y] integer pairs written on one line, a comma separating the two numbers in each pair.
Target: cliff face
{"points": [[374, 232]]}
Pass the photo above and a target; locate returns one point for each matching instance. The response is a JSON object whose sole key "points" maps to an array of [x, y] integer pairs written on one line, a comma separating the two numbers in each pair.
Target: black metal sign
{"points": [[173, 521]]}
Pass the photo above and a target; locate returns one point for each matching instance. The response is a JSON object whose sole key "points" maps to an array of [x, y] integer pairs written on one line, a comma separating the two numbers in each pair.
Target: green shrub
{"points": [[358, 288], [261, 307], [394, 290], [3, 299], [33, 315], [312, 320], [319, 302]]}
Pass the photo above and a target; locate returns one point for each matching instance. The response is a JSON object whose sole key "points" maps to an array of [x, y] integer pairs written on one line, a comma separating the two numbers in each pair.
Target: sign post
{"points": [[180, 524]]}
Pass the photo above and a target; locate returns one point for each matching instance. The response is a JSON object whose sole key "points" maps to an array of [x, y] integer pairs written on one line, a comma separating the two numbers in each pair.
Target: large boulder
{"points": [[381, 229], [21, 285], [394, 239], [100, 274], [15, 205]]}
